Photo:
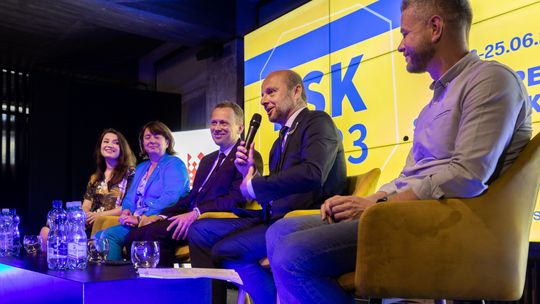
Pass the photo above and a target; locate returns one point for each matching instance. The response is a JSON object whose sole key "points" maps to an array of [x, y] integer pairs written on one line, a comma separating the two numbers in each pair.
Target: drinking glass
{"points": [[32, 244], [98, 250], [145, 254]]}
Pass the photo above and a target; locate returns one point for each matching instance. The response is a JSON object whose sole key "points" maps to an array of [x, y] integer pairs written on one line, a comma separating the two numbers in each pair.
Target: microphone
{"points": [[253, 127]]}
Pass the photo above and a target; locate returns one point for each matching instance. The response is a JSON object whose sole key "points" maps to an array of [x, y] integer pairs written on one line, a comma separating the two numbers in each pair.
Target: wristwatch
{"points": [[197, 211], [382, 199]]}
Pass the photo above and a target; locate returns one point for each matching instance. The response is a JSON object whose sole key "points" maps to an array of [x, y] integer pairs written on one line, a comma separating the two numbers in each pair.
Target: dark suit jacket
{"points": [[313, 166], [220, 193]]}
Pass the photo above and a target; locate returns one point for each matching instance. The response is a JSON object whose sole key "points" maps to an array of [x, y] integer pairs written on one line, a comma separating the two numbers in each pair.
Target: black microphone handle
{"points": [[250, 136], [253, 127]]}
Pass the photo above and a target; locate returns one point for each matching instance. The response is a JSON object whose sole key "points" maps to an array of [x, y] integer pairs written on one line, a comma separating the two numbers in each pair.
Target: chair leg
{"points": [[243, 297]]}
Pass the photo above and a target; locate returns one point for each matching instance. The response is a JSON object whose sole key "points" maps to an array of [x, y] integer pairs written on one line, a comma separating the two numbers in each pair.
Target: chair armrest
{"points": [[428, 249], [182, 252], [104, 222], [302, 212], [218, 215]]}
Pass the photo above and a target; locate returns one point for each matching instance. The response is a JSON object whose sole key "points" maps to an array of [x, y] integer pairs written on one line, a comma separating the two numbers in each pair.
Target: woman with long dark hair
{"points": [[115, 163]]}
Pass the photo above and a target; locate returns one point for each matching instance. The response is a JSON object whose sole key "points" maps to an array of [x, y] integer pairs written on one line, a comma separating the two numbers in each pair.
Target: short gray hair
{"points": [[457, 13]]}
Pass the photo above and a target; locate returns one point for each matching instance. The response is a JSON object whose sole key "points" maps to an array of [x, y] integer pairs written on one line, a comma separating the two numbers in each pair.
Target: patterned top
{"points": [[140, 205], [103, 198]]}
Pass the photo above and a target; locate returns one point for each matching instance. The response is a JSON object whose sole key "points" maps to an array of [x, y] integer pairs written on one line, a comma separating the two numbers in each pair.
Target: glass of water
{"points": [[145, 254], [98, 250], [32, 244]]}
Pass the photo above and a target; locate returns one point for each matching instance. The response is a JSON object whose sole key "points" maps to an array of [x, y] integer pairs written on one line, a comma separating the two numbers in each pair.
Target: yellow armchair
{"points": [[453, 248], [104, 222], [363, 184], [359, 185]]}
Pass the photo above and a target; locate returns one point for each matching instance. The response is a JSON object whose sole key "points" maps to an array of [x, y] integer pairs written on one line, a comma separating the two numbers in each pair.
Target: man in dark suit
{"points": [[215, 187], [307, 166]]}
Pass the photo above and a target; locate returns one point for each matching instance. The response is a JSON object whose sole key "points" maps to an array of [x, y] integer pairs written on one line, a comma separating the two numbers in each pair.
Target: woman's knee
{"points": [[99, 234], [114, 234]]}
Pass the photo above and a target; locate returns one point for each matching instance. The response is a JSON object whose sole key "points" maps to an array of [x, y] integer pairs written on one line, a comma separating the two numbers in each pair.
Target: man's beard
{"points": [[420, 58]]}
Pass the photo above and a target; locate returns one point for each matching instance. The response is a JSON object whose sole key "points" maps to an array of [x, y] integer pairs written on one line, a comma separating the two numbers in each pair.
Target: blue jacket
{"points": [[168, 183]]}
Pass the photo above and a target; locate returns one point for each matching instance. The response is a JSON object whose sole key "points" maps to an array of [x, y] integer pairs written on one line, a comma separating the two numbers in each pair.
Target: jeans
{"points": [[237, 244], [307, 255], [116, 236]]}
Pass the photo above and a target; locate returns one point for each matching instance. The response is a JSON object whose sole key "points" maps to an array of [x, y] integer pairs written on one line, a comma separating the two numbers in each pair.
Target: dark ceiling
{"points": [[104, 37]]}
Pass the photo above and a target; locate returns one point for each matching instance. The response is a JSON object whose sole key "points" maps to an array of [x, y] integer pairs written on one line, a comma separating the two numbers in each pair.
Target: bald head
{"points": [[282, 94], [292, 79]]}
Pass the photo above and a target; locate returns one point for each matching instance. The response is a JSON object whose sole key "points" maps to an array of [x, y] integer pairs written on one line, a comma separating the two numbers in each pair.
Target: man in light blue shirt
{"points": [[473, 128]]}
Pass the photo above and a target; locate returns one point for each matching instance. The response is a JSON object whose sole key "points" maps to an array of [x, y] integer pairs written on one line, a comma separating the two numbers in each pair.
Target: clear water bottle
{"points": [[16, 234], [57, 239], [76, 237], [6, 233]]}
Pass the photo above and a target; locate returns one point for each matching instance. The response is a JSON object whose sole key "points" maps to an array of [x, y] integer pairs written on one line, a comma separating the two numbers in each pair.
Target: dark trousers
{"points": [[157, 232], [237, 244]]}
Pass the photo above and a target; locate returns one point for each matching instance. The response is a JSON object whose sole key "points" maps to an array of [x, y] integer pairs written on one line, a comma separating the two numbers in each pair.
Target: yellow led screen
{"points": [[346, 52]]}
